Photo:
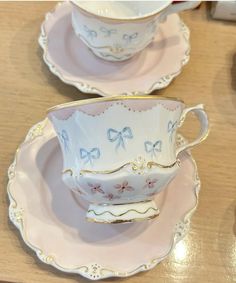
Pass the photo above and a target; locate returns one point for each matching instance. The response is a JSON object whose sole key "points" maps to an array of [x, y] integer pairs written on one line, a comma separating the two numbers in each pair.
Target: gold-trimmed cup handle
{"points": [[199, 111]]}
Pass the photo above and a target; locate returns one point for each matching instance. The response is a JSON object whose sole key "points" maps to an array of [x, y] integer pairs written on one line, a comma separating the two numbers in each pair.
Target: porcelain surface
{"points": [[52, 222], [99, 25], [154, 68], [126, 10], [124, 154]]}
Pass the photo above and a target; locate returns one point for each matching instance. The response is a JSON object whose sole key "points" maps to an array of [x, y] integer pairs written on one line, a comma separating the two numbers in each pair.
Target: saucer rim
{"points": [[87, 88], [87, 270]]}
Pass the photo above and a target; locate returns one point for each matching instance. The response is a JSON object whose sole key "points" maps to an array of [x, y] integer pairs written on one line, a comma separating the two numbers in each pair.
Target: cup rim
{"points": [[107, 99], [131, 18]]}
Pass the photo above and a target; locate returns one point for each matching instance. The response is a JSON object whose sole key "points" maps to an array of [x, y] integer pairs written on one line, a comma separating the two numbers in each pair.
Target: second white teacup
{"points": [[119, 152], [116, 30]]}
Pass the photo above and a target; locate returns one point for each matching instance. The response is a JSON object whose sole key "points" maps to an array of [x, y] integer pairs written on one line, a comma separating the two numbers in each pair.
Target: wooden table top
{"points": [[208, 252]]}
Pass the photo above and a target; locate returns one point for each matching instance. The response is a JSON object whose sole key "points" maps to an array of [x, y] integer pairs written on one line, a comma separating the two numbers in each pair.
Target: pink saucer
{"points": [[52, 221], [154, 68]]}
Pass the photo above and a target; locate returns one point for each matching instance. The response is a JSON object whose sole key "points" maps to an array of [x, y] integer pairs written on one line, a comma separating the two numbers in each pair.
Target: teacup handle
{"points": [[178, 7], [203, 119]]}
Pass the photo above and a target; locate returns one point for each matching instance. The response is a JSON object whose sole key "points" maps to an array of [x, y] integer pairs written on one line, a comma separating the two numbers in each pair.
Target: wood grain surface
{"points": [[27, 89]]}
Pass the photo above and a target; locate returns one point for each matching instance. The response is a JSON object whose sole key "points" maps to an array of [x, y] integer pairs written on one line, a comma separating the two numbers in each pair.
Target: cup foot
{"points": [[111, 57], [122, 213]]}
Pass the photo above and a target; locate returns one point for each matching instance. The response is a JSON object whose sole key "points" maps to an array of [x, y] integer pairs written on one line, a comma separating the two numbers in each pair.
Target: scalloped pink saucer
{"points": [[153, 68], [52, 222]]}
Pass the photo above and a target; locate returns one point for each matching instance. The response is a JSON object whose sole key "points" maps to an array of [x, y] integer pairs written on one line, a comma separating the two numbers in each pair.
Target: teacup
{"points": [[116, 30], [119, 152]]}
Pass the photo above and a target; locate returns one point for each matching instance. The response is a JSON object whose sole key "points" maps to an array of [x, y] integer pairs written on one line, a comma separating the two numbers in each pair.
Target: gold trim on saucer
{"points": [[89, 270]]}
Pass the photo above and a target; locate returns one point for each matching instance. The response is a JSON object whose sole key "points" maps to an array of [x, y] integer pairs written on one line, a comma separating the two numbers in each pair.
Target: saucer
{"points": [[154, 68], [51, 219]]}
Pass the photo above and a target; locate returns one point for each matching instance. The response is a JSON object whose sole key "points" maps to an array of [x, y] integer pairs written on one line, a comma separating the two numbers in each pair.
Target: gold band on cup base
{"points": [[132, 212]]}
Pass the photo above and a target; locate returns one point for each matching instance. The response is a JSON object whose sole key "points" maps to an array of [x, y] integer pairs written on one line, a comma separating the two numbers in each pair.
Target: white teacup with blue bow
{"points": [[119, 152], [117, 30]]}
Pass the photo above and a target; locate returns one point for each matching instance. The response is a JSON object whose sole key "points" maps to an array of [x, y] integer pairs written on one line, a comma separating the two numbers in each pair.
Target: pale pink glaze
{"points": [[97, 108], [54, 221]]}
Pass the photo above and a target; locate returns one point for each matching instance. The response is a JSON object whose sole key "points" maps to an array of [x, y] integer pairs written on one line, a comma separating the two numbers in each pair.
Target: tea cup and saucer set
{"points": [[101, 176]]}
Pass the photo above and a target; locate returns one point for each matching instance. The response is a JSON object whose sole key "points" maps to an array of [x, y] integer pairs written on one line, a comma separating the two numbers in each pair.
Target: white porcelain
{"points": [[122, 151], [51, 219], [71, 60], [117, 30]]}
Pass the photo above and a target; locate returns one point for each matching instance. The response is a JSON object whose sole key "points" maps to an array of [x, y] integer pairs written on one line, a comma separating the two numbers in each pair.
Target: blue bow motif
{"points": [[90, 33], [64, 138], [119, 137], [129, 38], [172, 126], [89, 156], [153, 148], [108, 32]]}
